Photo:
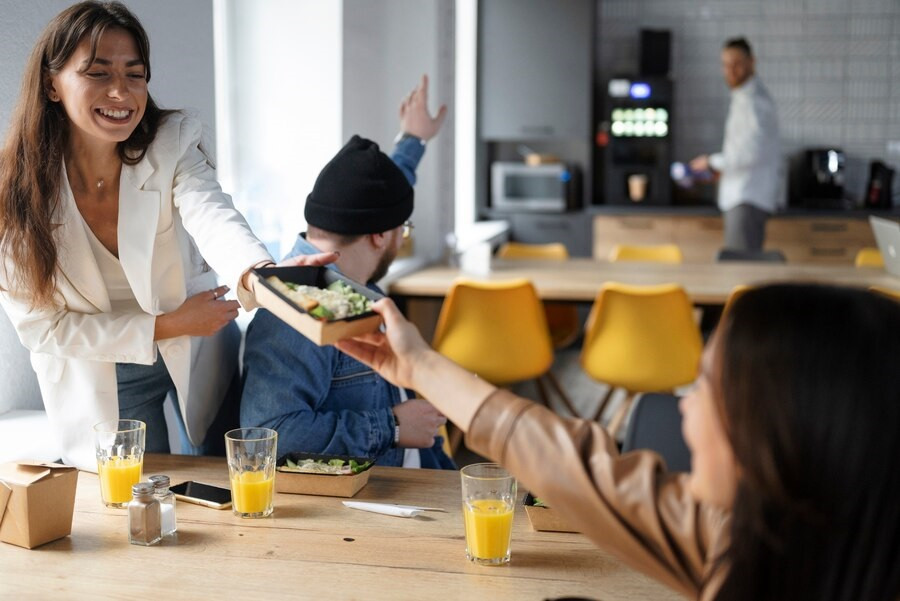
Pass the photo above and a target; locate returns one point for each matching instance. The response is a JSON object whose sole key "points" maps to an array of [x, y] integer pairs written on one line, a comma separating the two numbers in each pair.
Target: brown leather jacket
{"points": [[627, 504]]}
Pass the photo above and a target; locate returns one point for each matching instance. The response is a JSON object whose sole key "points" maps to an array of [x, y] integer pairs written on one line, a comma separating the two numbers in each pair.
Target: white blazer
{"points": [[170, 204]]}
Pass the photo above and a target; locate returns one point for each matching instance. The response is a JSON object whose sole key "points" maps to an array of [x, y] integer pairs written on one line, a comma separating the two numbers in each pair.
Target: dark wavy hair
{"points": [[809, 390], [31, 159]]}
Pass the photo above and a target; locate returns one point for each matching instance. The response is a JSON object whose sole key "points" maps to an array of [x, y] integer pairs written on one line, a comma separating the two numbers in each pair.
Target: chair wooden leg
{"points": [[542, 393], [562, 394], [603, 403], [621, 413], [455, 436]]}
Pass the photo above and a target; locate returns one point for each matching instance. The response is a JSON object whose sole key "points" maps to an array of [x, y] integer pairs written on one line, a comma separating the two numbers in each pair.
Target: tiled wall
{"points": [[832, 66]]}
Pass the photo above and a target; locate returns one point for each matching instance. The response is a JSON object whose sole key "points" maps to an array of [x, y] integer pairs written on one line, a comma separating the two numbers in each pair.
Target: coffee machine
{"points": [[817, 179], [637, 157]]}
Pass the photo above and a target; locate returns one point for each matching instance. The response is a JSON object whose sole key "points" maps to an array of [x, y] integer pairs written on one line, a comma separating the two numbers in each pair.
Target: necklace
{"points": [[100, 183]]}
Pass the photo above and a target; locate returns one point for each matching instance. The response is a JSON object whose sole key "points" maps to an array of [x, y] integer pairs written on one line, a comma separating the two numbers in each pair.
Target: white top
{"points": [[411, 457], [121, 296], [750, 161]]}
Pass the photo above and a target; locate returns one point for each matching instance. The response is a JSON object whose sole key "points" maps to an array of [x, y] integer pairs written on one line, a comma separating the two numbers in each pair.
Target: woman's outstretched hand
{"points": [[310, 260], [392, 353], [316, 260]]}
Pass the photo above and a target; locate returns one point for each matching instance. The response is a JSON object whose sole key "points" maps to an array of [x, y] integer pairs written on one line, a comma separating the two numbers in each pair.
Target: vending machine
{"points": [[637, 117]]}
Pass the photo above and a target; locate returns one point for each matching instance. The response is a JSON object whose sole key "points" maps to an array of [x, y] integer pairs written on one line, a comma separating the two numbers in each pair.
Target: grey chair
{"points": [[655, 424], [25, 431], [766, 256]]}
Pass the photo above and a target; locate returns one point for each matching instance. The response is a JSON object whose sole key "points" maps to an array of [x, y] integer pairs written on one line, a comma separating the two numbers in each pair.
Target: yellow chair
{"points": [[736, 293], [562, 318], [888, 292], [642, 339], [869, 257], [498, 330], [448, 449], [518, 250], [660, 253]]}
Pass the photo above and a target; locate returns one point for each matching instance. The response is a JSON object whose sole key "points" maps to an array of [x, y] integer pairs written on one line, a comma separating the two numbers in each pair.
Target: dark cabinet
{"points": [[534, 74]]}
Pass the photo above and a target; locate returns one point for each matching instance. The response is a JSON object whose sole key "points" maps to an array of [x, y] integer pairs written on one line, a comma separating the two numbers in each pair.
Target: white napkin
{"points": [[400, 511]]}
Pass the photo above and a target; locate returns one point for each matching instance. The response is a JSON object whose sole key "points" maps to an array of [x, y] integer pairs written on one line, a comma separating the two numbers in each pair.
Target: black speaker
{"points": [[655, 51]]}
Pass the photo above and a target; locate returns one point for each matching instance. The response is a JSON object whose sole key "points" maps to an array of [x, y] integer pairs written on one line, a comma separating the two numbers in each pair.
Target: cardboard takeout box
{"points": [[320, 332], [326, 485], [37, 501], [545, 518]]}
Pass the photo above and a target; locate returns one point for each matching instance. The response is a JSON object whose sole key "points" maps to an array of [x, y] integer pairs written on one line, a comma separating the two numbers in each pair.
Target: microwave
{"points": [[550, 188]]}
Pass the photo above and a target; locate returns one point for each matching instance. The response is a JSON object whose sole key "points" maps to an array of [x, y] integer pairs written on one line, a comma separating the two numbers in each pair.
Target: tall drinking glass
{"points": [[488, 495], [251, 466], [119, 444]]}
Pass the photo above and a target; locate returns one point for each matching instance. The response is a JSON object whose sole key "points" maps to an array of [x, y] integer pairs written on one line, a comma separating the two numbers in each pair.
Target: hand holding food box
{"points": [[320, 303]]}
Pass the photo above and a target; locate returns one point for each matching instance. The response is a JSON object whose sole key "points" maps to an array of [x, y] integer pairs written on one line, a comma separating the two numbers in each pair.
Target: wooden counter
{"points": [[802, 238], [311, 548], [580, 279]]}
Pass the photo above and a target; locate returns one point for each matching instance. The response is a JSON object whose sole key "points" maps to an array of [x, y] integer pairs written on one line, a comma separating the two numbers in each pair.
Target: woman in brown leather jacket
{"points": [[794, 428]]}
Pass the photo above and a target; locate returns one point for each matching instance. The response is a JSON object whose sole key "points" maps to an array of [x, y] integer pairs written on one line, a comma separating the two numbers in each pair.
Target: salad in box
{"points": [[326, 475], [318, 302], [543, 517]]}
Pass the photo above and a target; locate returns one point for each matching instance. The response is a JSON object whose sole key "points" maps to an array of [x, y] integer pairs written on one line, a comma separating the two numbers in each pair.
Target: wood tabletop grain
{"points": [[311, 548]]}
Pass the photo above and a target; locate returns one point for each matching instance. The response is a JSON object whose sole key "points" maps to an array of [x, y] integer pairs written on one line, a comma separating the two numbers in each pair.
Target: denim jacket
{"points": [[318, 399]]}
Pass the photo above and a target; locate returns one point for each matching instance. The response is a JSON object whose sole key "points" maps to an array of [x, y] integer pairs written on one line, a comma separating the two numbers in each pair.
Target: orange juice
{"points": [[488, 528], [117, 476], [251, 492]]}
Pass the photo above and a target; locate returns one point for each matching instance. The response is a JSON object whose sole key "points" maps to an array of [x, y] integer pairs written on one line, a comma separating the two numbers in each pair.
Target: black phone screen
{"points": [[203, 492]]}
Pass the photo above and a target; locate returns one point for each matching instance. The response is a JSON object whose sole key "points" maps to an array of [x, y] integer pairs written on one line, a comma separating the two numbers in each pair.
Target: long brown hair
{"points": [[809, 388], [31, 159]]}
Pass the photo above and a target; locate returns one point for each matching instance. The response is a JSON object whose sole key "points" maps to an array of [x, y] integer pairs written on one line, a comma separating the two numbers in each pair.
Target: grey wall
{"points": [[387, 46], [832, 66], [181, 51]]}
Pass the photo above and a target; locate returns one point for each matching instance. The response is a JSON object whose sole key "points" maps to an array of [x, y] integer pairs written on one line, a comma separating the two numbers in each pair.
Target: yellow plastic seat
{"points": [[869, 257], [659, 253], [562, 318], [888, 292], [736, 293], [519, 250], [642, 339], [443, 432], [497, 330]]}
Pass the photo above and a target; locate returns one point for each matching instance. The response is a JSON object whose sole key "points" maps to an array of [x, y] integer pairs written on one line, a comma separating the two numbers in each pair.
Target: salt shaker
{"points": [[166, 500], [144, 526]]}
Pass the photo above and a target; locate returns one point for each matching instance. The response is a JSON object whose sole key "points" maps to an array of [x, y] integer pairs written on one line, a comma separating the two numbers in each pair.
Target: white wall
{"points": [[181, 51], [387, 46]]}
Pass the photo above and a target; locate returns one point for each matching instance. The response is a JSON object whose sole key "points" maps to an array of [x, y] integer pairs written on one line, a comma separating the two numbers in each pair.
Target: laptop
{"points": [[887, 235]]}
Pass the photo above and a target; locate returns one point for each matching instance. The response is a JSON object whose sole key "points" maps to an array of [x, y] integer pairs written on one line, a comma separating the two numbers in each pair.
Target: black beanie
{"points": [[360, 191]]}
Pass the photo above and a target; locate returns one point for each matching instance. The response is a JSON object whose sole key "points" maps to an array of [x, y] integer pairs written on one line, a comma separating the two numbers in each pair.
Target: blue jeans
{"points": [[142, 393]]}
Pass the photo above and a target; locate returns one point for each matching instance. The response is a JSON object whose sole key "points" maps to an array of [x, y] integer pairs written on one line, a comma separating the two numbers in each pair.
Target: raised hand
{"points": [[414, 116]]}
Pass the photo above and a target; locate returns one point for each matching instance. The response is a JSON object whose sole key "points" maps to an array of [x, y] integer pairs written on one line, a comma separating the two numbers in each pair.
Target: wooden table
{"points": [[310, 548], [580, 279]]}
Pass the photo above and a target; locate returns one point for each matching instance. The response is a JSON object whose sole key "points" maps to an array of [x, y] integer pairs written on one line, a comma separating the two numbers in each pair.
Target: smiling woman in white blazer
{"points": [[115, 170]]}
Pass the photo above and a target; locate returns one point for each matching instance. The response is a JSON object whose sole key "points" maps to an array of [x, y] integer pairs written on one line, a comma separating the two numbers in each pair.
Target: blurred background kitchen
{"points": [[281, 84]]}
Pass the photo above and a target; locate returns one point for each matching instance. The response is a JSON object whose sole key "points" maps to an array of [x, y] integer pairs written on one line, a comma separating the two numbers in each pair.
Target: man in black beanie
{"points": [[318, 399]]}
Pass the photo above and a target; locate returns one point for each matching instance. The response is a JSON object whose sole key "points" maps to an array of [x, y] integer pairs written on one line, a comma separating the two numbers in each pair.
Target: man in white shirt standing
{"points": [[749, 164]]}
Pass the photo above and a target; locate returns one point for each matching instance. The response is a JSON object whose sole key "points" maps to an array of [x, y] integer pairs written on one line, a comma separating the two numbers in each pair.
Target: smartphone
{"points": [[203, 494]]}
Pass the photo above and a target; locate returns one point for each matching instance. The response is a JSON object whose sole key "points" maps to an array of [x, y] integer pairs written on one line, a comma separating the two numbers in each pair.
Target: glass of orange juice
{"points": [[251, 465], [119, 444], [488, 495]]}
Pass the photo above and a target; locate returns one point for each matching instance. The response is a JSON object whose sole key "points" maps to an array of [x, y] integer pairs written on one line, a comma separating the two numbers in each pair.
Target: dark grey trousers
{"points": [[745, 227]]}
